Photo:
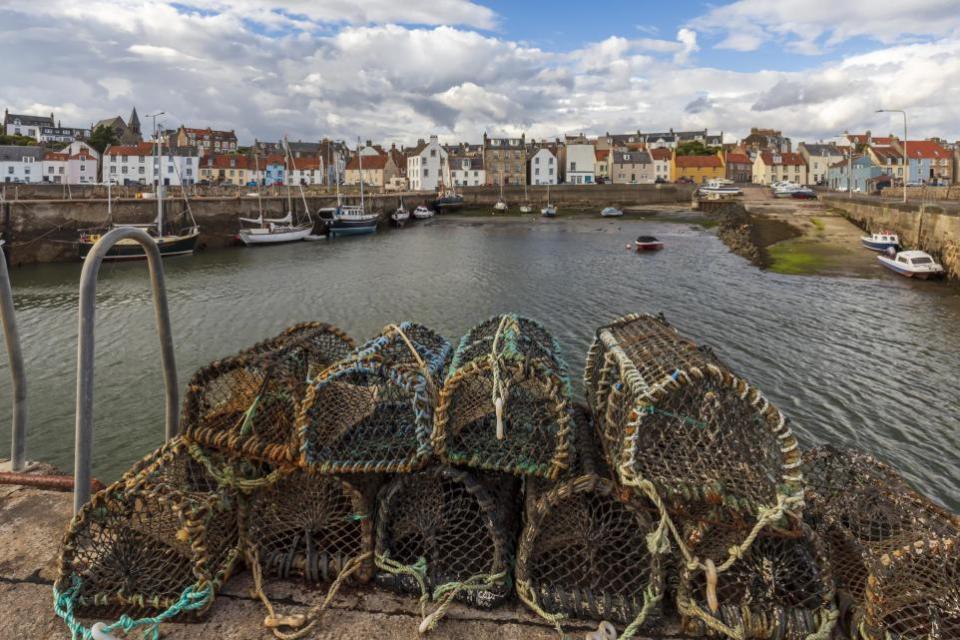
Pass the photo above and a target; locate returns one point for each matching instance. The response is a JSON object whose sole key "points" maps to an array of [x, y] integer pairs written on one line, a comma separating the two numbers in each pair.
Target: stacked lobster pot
{"points": [[723, 467], [894, 552]]}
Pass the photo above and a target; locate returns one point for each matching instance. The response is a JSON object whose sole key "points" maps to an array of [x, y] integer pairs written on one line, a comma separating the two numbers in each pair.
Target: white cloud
{"points": [[400, 82], [800, 25]]}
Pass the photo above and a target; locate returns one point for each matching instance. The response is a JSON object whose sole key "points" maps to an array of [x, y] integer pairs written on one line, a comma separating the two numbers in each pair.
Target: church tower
{"points": [[133, 124]]}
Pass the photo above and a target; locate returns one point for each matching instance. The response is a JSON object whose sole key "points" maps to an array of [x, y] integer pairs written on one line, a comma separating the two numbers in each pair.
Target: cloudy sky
{"points": [[398, 70]]}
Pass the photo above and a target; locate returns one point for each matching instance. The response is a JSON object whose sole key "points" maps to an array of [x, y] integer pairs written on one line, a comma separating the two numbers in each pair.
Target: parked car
{"points": [[660, 181]]}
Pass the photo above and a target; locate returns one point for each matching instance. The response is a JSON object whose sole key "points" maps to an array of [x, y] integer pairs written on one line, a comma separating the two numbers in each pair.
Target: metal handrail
{"points": [[18, 444], [83, 446]]}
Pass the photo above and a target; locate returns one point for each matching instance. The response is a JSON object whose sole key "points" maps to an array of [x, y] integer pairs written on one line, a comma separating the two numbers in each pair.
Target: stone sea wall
{"points": [[931, 228]]}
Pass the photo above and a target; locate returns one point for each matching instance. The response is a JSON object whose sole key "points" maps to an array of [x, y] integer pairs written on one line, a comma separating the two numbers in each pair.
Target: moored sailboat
{"points": [[349, 220], [400, 216], [276, 230], [550, 210], [501, 204]]}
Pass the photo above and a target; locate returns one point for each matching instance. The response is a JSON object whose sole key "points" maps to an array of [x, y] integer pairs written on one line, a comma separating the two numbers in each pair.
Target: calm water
{"points": [[871, 363]]}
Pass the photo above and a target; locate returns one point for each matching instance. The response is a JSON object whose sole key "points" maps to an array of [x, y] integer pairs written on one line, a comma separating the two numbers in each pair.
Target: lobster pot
{"points": [[248, 404], [913, 592], [584, 553], [463, 526], [782, 587], [506, 404], [671, 414], [863, 509], [310, 526], [373, 411], [141, 545]]}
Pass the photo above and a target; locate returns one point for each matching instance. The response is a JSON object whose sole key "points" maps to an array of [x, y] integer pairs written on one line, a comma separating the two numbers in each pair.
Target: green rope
{"points": [[417, 570], [248, 415], [446, 593], [650, 600], [190, 600]]}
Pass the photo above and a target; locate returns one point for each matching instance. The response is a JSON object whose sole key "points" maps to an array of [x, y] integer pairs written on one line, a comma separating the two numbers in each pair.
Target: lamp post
{"points": [[906, 160]]}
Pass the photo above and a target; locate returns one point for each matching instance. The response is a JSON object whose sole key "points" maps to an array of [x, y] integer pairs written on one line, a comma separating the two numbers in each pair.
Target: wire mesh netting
{"points": [[782, 586], [863, 510], [506, 403], [373, 412], [311, 526], [444, 526], [584, 552], [248, 404], [161, 541], [913, 592], [672, 415]]}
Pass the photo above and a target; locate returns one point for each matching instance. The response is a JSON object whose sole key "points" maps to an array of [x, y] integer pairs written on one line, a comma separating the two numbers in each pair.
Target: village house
{"points": [[467, 171], [632, 167], [127, 133], [738, 166], [767, 140], [770, 167], [602, 166], [228, 169], [618, 141], [505, 159], [544, 167], [861, 141], [206, 140], [306, 171], [274, 170], [889, 159], [699, 169], [581, 161], [64, 167], [819, 158], [662, 164], [25, 125], [672, 139], [300, 149], [857, 174], [136, 164], [427, 165], [376, 170], [929, 162], [21, 163]]}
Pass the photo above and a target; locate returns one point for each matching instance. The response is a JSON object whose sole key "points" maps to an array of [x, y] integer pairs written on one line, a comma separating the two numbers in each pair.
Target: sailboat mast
{"points": [[286, 172], [360, 160], [256, 163], [303, 196], [159, 192]]}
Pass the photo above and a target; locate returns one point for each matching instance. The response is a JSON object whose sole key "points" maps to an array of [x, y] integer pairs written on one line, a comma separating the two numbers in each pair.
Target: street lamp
{"points": [[906, 161]]}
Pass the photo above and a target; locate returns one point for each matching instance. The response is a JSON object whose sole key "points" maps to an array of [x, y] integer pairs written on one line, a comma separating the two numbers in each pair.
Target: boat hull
{"points": [[908, 273], [341, 228], [648, 246], [169, 246], [275, 237], [878, 246]]}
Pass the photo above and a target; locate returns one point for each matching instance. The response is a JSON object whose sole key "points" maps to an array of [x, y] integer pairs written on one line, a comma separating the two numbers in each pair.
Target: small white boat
{"points": [[720, 188], [422, 213], [400, 216], [549, 211], [526, 207], [274, 231], [611, 212], [912, 264], [882, 241], [786, 190], [500, 206]]}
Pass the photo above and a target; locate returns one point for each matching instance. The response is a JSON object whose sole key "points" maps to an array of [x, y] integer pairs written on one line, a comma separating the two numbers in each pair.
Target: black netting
{"points": [[452, 524], [513, 363], [248, 404], [373, 412]]}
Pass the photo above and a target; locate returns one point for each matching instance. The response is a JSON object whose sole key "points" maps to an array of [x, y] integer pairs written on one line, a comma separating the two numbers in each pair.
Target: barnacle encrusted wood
{"points": [[584, 552], [672, 415], [506, 403], [373, 411], [913, 592], [444, 526], [162, 541], [311, 526], [248, 404], [863, 510], [782, 586]]}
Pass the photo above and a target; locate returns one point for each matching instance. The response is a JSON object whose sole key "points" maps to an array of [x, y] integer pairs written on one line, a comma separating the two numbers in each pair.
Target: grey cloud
{"points": [[699, 105]]}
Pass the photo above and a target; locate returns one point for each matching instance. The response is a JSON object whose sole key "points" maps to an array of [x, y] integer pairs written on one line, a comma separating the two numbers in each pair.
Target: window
{"points": [[141, 170], [551, 170], [26, 170], [169, 168], [536, 160], [476, 173], [140, 159], [51, 170], [536, 172], [573, 166], [9, 169], [123, 169], [113, 169], [426, 172], [61, 169], [550, 160], [433, 153]]}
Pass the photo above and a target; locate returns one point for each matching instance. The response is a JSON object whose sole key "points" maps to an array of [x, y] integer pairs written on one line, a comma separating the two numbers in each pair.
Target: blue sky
{"points": [[401, 71]]}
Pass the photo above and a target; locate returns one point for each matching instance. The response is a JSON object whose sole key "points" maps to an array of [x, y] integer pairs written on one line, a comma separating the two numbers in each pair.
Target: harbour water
{"points": [[862, 362]]}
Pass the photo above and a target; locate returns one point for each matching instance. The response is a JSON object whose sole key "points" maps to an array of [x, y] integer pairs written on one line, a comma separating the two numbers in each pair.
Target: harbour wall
{"points": [[928, 227], [45, 230]]}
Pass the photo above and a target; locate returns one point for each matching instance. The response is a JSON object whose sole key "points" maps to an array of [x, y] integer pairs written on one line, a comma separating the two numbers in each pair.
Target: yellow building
{"points": [[698, 169], [770, 167]]}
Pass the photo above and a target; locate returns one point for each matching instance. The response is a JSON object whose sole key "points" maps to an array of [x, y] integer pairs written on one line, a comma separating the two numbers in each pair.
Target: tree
{"points": [[25, 141], [695, 148], [102, 137]]}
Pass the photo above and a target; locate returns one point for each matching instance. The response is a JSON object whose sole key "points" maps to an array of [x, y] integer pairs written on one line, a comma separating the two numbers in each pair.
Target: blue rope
{"points": [[190, 600]]}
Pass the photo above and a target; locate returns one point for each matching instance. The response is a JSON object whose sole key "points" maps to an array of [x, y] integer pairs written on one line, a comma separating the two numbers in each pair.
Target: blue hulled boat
{"points": [[881, 241]]}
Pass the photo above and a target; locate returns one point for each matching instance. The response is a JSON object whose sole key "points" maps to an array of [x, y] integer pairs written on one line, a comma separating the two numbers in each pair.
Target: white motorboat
{"points": [[611, 212], [423, 213], [912, 264], [721, 187], [785, 189]]}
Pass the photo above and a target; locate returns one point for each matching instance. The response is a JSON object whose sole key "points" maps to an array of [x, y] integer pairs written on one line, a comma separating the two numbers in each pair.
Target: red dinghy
{"points": [[648, 243]]}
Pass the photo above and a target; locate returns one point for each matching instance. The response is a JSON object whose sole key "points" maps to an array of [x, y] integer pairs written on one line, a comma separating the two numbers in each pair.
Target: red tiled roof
{"points": [[692, 162], [886, 152], [926, 149], [786, 159], [738, 158], [369, 162], [305, 164], [661, 154], [53, 155], [602, 154], [882, 141], [142, 149], [83, 154], [227, 162]]}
